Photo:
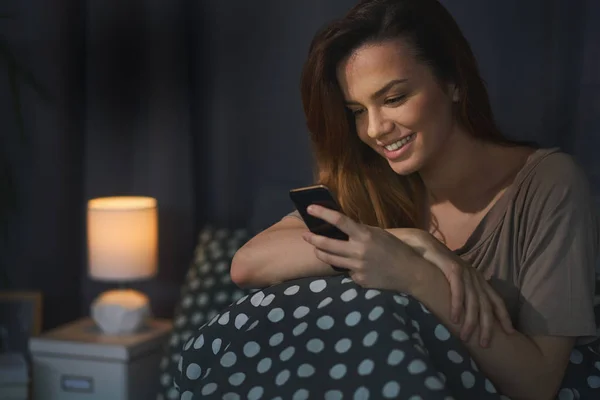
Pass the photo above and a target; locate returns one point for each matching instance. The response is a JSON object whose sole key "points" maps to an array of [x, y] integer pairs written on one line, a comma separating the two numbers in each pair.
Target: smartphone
{"points": [[320, 195]]}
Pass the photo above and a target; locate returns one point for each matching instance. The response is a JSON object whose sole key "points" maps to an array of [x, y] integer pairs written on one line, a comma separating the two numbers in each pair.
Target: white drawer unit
{"points": [[77, 361]]}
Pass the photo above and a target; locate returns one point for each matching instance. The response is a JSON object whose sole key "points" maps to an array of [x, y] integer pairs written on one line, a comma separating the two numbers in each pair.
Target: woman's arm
{"points": [[520, 366], [276, 255]]}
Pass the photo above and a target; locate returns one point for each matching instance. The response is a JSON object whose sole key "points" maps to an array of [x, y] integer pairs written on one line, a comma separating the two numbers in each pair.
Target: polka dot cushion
{"points": [[206, 291], [328, 338]]}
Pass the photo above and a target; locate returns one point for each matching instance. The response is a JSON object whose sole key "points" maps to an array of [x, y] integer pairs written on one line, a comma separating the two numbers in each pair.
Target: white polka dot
{"points": [[337, 371], [173, 394], [597, 365], [399, 318], [594, 381], [193, 371], [353, 318], [231, 396], [434, 383], [264, 365], [416, 325], [442, 333], [399, 335], [415, 397], [455, 357], [216, 345], [442, 377], [416, 367], [425, 309], [343, 345], [202, 299], [221, 297], [240, 320], [252, 326], [347, 280], [375, 313], [370, 339], [300, 328], [224, 319], [391, 390], [267, 300], [362, 393], [318, 285], [209, 388], [286, 354], [371, 293], [349, 295], [333, 395], [403, 301], [276, 315], [188, 344], [566, 394], [305, 370], [395, 357], [237, 379], [197, 317], [325, 302], [255, 393], [282, 377], [291, 290], [301, 312], [276, 339], [489, 386], [257, 298], [325, 322], [301, 394], [315, 345], [366, 367], [474, 366], [228, 359], [468, 379], [240, 301], [165, 380], [187, 395], [576, 356], [251, 349]]}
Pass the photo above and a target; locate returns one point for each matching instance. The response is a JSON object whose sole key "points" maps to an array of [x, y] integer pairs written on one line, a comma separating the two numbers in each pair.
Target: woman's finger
{"points": [[329, 245], [472, 309], [457, 291], [334, 259], [499, 309], [339, 220], [486, 314]]}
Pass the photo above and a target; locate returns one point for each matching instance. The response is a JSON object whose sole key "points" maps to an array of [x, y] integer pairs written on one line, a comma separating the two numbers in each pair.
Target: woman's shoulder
{"points": [[551, 170]]}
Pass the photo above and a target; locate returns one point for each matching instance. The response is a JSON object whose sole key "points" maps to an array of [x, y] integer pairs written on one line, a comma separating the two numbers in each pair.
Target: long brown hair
{"points": [[368, 190]]}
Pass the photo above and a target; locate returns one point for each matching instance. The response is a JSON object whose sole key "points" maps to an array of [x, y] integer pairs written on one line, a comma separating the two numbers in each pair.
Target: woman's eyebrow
{"points": [[381, 91]]}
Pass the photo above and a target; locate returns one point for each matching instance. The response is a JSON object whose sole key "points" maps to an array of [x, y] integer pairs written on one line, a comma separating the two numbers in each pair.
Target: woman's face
{"points": [[400, 109]]}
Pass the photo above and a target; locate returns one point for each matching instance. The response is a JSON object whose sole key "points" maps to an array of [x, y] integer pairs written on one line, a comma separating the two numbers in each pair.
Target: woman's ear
{"points": [[453, 89]]}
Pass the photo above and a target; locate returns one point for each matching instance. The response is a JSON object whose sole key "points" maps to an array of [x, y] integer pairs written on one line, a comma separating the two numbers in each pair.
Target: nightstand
{"points": [[78, 361]]}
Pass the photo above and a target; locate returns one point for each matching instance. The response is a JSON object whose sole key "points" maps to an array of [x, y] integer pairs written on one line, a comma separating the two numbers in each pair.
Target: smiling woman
{"points": [[470, 257]]}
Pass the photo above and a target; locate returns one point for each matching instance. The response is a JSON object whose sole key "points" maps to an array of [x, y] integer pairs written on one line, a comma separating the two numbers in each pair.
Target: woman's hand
{"points": [[375, 258], [470, 291]]}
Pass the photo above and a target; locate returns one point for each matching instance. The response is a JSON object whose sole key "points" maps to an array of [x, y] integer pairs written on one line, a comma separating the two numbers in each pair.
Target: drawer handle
{"points": [[79, 384]]}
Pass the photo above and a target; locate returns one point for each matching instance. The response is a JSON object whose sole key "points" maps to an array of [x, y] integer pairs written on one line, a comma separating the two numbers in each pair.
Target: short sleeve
{"points": [[560, 248]]}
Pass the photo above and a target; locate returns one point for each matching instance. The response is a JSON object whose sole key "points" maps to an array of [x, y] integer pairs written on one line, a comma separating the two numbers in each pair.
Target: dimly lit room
{"points": [[284, 199]]}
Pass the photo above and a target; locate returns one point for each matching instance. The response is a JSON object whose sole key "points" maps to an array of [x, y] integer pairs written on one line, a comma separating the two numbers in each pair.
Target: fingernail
{"points": [[484, 343], [311, 209]]}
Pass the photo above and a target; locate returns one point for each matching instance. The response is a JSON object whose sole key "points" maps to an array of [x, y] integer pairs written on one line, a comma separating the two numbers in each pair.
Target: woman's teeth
{"points": [[400, 143]]}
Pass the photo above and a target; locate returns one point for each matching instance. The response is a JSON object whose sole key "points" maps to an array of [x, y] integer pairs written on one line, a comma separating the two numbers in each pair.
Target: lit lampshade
{"points": [[122, 246], [122, 238]]}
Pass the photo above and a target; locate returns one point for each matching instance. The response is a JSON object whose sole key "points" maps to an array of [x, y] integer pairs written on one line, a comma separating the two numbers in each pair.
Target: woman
{"points": [[439, 206]]}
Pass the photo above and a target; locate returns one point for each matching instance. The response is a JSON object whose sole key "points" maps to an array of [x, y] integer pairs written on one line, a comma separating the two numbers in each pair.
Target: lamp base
{"points": [[121, 311]]}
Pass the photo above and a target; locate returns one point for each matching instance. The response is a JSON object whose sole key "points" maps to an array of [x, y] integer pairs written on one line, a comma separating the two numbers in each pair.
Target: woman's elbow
{"points": [[239, 270]]}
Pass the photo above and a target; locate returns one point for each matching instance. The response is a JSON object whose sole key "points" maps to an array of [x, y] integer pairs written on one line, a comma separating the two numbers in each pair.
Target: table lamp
{"points": [[122, 239]]}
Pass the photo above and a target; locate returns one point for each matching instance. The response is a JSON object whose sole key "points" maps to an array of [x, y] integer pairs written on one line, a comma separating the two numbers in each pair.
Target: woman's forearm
{"points": [[514, 363], [276, 255]]}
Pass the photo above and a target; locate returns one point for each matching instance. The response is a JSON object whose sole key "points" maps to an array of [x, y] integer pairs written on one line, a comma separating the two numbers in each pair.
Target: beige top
{"points": [[539, 244]]}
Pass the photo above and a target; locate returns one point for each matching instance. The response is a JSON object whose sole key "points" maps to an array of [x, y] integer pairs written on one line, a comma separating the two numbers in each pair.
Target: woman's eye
{"points": [[356, 112], [395, 100]]}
